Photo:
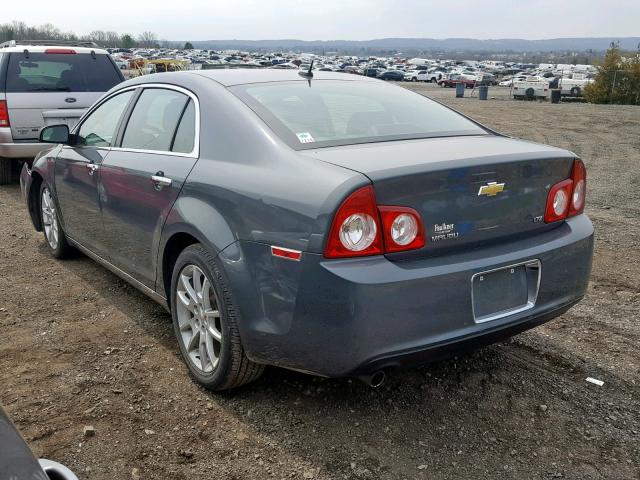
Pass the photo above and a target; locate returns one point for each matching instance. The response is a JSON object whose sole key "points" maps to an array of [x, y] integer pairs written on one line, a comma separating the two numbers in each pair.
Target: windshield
{"points": [[53, 72], [335, 112]]}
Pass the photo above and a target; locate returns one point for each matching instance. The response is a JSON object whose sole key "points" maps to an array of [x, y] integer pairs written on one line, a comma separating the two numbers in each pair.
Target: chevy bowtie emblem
{"points": [[491, 189]]}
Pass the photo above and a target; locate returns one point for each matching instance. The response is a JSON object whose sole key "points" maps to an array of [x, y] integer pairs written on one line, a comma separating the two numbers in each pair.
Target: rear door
{"points": [[140, 180], [77, 172], [53, 88]]}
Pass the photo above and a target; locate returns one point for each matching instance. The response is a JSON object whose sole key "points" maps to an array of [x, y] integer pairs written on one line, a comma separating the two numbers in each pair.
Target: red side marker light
{"points": [[286, 253]]}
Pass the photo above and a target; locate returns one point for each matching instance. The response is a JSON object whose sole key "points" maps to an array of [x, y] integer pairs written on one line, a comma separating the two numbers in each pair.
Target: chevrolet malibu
{"points": [[329, 224]]}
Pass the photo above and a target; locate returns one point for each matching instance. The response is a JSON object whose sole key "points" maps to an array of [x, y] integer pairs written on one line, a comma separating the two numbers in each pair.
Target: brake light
{"points": [[558, 201], [402, 229], [4, 114], [61, 51], [360, 227], [578, 197], [354, 230], [567, 198]]}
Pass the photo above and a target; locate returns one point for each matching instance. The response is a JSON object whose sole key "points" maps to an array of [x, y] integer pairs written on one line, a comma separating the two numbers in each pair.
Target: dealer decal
{"points": [[444, 231]]}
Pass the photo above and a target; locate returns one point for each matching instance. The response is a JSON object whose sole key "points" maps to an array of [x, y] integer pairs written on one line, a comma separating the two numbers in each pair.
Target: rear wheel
{"points": [[575, 92], [205, 322], [53, 233]]}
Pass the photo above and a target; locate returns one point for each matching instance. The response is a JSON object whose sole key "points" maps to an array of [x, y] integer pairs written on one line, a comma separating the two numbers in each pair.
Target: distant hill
{"points": [[426, 45]]}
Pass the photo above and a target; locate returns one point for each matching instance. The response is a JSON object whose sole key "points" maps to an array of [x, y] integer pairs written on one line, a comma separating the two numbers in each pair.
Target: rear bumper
{"points": [[346, 317], [11, 149]]}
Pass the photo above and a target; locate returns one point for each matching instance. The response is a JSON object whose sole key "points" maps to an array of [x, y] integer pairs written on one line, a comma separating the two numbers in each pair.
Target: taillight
{"points": [[579, 177], [567, 197], [4, 114], [354, 231], [360, 227], [402, 229], [61, 51]]}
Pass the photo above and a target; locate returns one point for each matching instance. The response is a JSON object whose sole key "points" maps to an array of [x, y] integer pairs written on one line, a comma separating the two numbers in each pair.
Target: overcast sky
{"points": [[336, 19]]}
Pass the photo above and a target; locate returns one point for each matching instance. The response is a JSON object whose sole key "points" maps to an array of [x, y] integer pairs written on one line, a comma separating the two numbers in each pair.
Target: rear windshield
{"points": [[53, 72], [335, 112]]}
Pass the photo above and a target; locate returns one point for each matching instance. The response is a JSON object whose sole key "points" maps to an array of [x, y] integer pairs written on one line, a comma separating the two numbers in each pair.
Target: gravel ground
{"points": [[79, 347]]}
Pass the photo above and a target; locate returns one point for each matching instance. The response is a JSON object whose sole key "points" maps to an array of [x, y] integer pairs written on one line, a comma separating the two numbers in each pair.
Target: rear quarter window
{"points": [[46, 72]]}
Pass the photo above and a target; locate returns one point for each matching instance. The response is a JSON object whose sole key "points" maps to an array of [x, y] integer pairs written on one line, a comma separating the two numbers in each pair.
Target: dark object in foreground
{"points": [[18, 463]]}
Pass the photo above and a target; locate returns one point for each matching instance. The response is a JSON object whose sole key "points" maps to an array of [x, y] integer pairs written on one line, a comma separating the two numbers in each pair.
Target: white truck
{"points": [[574, 86], [531, 88]]}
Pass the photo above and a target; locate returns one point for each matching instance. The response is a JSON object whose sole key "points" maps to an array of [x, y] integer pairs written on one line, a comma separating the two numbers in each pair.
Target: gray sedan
{"points": [[329, 224]]}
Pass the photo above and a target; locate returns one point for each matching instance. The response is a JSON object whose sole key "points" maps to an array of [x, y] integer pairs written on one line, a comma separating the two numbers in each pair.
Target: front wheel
{"points": [[53, 233], [205, 322]]}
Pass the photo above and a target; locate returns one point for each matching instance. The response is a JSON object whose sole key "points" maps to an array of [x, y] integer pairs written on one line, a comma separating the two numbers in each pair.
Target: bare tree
{"points": [[148, 39]]}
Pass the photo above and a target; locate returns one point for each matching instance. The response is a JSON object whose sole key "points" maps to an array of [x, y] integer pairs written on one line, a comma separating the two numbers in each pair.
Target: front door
{"points": [[77, 171], [140, 180]]}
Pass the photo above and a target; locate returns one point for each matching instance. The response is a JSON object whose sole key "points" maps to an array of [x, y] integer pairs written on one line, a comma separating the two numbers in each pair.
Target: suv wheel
{"points": [[205, 322], [53, 233]]}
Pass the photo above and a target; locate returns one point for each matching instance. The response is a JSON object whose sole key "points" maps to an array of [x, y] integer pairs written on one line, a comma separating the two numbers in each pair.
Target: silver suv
{"points": [[46, 84]]}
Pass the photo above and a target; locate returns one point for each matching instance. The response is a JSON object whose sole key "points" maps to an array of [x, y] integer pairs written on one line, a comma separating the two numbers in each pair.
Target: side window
{"points": [[186, 133], [99, 128], [154, 120]]}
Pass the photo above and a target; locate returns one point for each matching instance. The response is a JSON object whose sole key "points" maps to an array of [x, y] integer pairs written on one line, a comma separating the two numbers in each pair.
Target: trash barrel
{"points": [[555, 95], [460, 90], [483, 92]]}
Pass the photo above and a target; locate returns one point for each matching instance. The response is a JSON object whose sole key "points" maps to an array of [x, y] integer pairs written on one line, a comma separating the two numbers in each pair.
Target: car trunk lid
{"points": [[468, 190], [29, 112]]}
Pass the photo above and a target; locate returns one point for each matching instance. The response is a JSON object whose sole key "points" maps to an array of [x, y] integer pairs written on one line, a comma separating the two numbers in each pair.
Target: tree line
{"points": [[21, 31]]}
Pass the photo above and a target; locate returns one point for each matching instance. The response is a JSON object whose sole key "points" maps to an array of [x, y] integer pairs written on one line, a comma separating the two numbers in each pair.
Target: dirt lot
{"points": [[80, 347]]}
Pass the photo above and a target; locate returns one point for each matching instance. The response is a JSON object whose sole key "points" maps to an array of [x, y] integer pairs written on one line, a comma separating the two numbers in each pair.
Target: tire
{"points": [[414, 79], [576, 92], [51, 227], [530, 92], [7, 171], [226, 365], [434, 80]]}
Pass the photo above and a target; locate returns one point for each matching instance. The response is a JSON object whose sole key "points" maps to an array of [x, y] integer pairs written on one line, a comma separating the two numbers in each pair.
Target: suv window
{"points": [[186, 133], [154, 120], [99, 128], [55, 72]]}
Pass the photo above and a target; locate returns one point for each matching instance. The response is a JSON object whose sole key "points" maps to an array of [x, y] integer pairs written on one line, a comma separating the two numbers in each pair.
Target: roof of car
{"points": [[43, 48], [239, 76]]}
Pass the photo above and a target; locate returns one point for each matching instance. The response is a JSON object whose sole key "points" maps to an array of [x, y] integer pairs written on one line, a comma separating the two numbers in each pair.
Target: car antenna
{"points": [[308, 74]]}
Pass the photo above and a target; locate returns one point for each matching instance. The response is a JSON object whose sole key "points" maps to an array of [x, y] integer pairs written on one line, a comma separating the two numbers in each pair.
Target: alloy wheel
{"points": [[50, 219], [199, 319]]}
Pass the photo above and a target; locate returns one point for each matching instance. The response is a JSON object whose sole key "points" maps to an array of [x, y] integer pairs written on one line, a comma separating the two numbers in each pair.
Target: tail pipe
{"points": [[374, 380]]}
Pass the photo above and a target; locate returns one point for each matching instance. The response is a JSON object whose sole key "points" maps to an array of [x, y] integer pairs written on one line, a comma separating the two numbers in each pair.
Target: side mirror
{"points": [[55, 134]]}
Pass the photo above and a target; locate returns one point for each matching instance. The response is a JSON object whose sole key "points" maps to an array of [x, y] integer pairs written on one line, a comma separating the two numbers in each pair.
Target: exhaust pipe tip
{"points": [[375, 380]]}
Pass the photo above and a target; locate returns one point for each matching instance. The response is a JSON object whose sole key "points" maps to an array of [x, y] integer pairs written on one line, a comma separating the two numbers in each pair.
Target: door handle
{"points": [[92, 167], [160, 181]]}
